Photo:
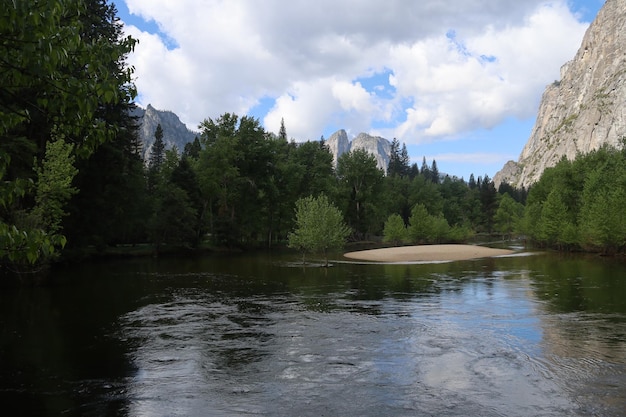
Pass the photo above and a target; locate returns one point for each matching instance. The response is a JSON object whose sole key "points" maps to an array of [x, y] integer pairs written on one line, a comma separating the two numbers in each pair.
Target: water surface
{"points": [[257, 334]]}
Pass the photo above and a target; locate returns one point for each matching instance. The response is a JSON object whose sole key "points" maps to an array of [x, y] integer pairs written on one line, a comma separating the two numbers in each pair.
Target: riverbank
{"points": [[427, 253]]}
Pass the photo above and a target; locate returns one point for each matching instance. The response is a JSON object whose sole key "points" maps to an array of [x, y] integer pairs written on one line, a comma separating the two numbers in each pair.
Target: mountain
{"points": [[175, 132], [585, 108], [339, 144]]}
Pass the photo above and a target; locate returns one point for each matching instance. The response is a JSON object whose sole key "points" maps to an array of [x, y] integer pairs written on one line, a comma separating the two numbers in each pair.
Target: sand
{"points": [[427, 253]]}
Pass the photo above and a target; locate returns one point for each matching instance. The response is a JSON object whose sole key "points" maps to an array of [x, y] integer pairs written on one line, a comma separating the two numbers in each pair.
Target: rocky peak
{"points": [[339, 144], [585, 108], [175, 132], [375, 145]]}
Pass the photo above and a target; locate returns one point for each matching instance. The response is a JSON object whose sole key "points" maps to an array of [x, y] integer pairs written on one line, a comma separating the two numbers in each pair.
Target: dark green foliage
{"points": [[62, 79], [360, 184], [112, 205], [157, 153], [580, 203], [398, 160], [282, 133], [192, 149]]}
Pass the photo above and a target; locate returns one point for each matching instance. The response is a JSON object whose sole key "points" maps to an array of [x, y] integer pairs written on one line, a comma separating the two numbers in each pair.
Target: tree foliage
{"points": [[395, 230], [61, 72], [508, 215], [319, 227], [579, 204], [360, 182]]}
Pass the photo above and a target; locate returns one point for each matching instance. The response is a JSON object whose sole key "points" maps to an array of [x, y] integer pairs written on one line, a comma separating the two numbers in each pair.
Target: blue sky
{"points": [[457, 81]]}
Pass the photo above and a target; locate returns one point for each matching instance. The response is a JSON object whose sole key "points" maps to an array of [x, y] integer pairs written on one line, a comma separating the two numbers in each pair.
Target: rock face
{"points": [[175, 132], [586, 108], [339, 144], [375, 145]]}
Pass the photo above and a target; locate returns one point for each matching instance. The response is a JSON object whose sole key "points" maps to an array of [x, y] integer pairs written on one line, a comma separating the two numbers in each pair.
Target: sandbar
{"points": [[427, 253]]}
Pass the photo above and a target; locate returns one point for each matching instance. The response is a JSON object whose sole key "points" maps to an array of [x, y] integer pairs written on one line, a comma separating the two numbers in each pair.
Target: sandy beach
{"points": [[427, 253]]}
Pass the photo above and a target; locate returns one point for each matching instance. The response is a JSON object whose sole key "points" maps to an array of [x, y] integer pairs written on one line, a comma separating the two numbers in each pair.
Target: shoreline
{"points": [[427, 253]]}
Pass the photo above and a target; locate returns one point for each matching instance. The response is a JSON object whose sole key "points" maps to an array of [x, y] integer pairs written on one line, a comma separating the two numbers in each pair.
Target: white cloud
{"points": [[228, 55]]}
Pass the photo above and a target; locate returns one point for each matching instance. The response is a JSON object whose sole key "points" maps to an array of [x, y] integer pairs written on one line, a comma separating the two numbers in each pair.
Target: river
{"points": [[259, 335]]}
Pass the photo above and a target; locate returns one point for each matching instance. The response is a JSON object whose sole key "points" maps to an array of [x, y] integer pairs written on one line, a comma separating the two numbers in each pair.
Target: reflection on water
{"points": [[254, 335]]}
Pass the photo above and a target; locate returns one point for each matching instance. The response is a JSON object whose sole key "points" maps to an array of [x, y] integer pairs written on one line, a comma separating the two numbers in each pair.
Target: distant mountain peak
{"points": [[379, 147], [175, 132]]}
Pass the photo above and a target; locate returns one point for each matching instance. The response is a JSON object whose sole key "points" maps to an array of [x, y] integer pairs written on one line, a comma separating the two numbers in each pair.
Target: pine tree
{"points": [[425, 171], [434, 172], [394, 167], [157, 153], [282, 133]]}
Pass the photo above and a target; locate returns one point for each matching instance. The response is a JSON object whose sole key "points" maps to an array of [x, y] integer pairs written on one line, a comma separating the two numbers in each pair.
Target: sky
{"points": [[457, 81]]}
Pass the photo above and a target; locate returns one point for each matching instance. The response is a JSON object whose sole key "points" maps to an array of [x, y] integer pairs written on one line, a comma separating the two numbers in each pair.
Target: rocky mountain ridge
{"points": [[379, 147], [175, 132], [585, 108]]}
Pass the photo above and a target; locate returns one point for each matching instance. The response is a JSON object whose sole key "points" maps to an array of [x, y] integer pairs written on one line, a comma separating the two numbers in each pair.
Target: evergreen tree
{"points": [[360, 184], [472, 182], [394, 167], [405, 160], [434, 172], [282, 133], [425, 170], [488, 203], [192, 149], [157, 153]]}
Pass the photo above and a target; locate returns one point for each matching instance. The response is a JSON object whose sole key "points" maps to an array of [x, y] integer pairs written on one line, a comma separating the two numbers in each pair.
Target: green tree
{"points": [[112, 206], [434, 172], [394, 230], [508, 215], [157, 153], [174, 215], [319, 227], [282, 133], [420, 228], [62, 71], [219, 177], [425, 170], [453, 192], [360, 183], [395, 194], [423, 191], [602, 217], [54, 186], [184, 177], [398, 160]]}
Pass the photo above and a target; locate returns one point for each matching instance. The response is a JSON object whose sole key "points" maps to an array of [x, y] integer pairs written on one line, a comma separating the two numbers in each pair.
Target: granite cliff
{"points": [[175, 132], [380, 148], [583, 110]]}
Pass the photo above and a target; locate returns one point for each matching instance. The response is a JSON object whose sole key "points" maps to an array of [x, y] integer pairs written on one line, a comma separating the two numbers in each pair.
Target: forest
{"points": [[73, 181]]}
